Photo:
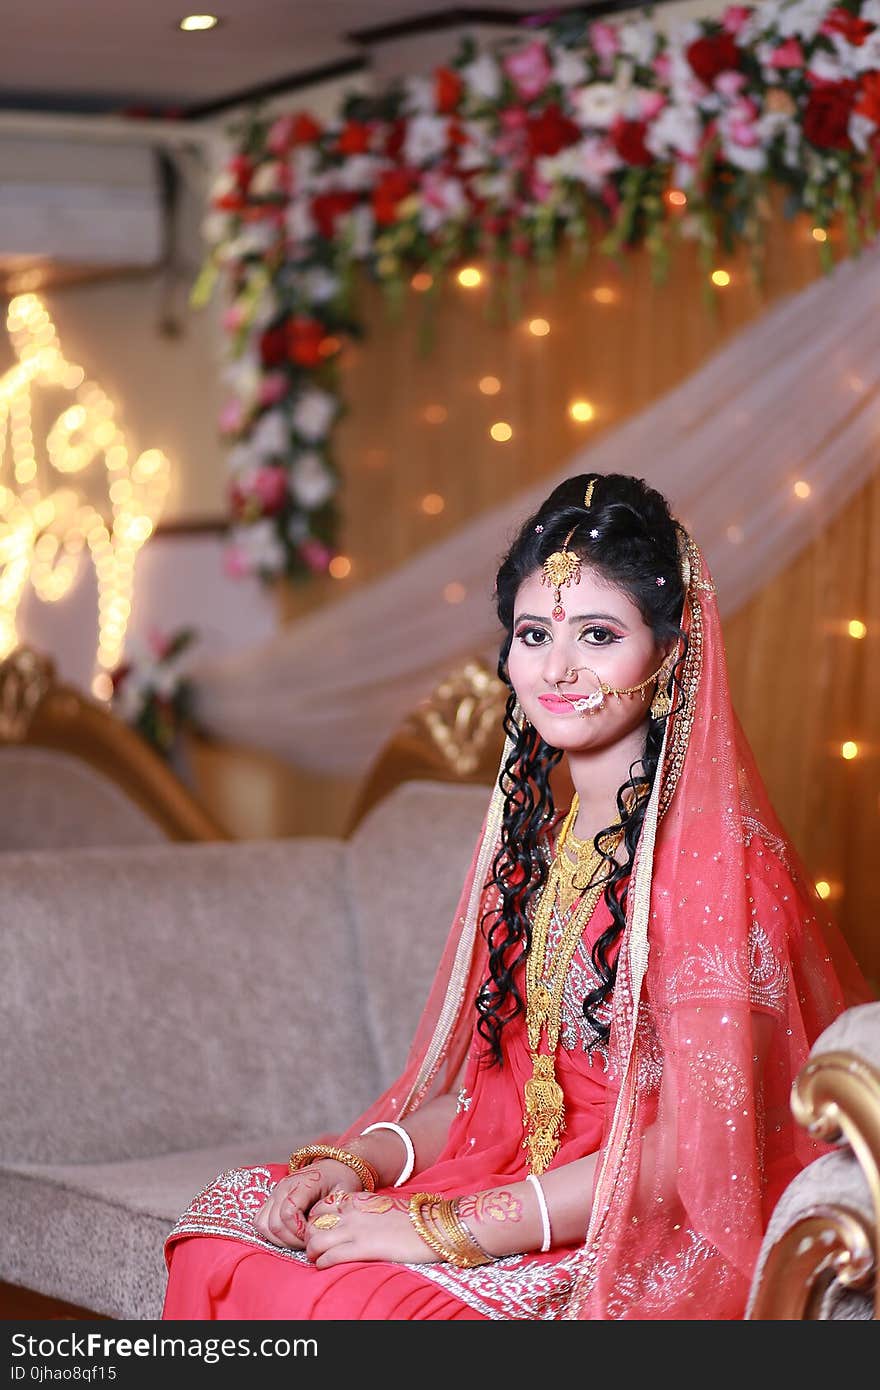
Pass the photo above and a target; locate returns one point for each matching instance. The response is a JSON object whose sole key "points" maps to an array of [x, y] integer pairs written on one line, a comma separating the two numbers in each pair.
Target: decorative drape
{"points": [[794, 398]]}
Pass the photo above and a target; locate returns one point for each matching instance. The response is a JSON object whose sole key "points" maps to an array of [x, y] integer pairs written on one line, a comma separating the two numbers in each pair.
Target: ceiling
{"points": [[126, 55]]}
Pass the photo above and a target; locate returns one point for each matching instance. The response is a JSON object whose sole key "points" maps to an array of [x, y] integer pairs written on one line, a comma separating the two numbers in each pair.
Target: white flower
{"points": [[425, 139], [867, 58], [418, 98], [243, 379], [871, 11], [314, 413], [254, 239], [319, 285], [215, 227], [271, 435], [860, 129], [305, 166], [567, 164], [638, 39], [310, 482], [268, 178], [224, 184], [827, 66], [676, 131], [802, 18], [300, 223], [442, 200], [358, 172], [596, 160], [362, 223], [569, 69], [264, 309], [241, 461], [597, 104], [482, 78], [752, 158], [475, 153], [497, 185], [261, 544]]}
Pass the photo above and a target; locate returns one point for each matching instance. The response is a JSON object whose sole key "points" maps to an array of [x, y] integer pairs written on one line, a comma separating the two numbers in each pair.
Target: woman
{"points": [[594, 1117]]}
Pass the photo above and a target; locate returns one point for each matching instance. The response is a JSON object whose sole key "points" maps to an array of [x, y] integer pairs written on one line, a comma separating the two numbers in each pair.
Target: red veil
{"points": [[729, 968]]}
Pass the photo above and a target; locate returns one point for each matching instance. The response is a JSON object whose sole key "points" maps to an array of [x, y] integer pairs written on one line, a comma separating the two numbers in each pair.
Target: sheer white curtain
{"points": [[793, 398]]}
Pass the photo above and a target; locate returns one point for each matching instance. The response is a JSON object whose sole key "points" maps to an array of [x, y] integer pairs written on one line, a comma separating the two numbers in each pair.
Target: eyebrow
{"points": [[575, 618]]}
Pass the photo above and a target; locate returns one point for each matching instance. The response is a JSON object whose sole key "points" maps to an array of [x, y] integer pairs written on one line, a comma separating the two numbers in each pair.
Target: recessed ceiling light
{"points": [[194, 23]]}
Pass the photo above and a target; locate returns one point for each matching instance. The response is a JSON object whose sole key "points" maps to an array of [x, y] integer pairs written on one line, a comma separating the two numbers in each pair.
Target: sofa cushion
{"points": [[61, 803], [406, 865], [94, 1233], [176, 996]]}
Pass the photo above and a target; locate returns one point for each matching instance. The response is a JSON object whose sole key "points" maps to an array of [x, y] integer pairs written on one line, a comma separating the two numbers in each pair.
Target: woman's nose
{"points": [[557, 669]]}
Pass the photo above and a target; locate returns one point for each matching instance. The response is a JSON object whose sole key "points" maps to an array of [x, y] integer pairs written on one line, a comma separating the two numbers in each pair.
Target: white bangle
{"points": [[410, 1163], [545, 1215]]}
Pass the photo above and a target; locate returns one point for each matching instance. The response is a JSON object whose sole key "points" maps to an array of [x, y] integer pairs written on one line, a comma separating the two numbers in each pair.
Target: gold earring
{"points": [[661, 703]]}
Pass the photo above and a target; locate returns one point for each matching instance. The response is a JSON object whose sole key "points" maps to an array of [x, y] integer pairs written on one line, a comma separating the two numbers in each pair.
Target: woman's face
{"points": [[603, 630]]}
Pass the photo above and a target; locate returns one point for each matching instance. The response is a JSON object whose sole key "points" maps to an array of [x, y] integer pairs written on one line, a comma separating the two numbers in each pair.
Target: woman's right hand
{"points": [[282, 1219]]}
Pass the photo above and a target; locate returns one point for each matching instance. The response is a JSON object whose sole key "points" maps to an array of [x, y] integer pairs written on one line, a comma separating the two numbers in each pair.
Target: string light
{"points": [[43, 533], [432, 504], [676, 198], [823, 888], [340, 567], [454, 592], [849, 750], [436, 414], [539, 327], [857, 628], [819, 234], [198, 23], [470, 277], [489, 385], [581, 411], [501, 431], [604, 294], [421, 281], [720, 278], [802, 489], [734, 534]]}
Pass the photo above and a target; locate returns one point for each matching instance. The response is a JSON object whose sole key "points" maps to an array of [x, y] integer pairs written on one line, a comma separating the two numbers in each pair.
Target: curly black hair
{"points": [[638, 539]]}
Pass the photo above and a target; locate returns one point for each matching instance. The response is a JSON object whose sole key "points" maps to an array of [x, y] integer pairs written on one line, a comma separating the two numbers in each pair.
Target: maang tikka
{"points": [[564, 566]]}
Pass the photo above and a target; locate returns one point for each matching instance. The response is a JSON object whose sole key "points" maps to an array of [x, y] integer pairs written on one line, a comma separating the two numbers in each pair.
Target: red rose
{"points": [[827, 115], [551, 131], [869, 97], [327, 207], [304, 338], [273, 347], [305, 130], [395, 138], [447, 90], [241, 169], [354, 138], [628, 138], [230, 202], [853, 29], [393, 186], [714, 54]]}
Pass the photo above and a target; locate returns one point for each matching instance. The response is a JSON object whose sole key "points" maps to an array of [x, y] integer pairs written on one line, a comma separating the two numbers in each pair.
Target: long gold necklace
{"points": [[544, 1108]]}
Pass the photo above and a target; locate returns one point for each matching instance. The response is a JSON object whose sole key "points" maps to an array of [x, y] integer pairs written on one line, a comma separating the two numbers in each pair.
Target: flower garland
{"points": [[151, 691], [501, 154]]}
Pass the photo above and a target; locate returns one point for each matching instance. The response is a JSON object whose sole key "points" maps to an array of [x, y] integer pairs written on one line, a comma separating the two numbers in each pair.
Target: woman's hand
{"points": [[366, 1227], [282, 1219]]}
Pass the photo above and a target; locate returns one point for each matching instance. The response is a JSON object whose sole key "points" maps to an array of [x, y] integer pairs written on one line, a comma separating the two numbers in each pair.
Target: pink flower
{"points": [[231, 417], [236, 562], [734, 17], [273, 388], [158, 643], [280, 136], [513, 118], [269, 485], [605, 39], [744, 133], [662, 66], [316, 555], [651, 104], [788, 55], [529, 69], [233, 317], [729, 84]]}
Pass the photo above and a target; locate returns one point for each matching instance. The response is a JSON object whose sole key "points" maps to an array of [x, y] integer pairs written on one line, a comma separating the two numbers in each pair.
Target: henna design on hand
{"points": [[498, 1205]]}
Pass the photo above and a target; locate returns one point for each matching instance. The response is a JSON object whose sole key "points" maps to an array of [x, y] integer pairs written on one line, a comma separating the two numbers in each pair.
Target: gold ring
{"points": [[325, 1223]]}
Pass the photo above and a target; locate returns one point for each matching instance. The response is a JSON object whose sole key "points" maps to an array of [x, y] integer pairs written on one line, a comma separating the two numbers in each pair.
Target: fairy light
{"points": [[819, 234], [436, 414], [432, 504], [856, 628], [676, 198], [198, 23], [823, 888], [802, 489], [44, 530], [720, 278], [849, 750], [734, 534], [454, 592], [604, 294], [340, 567], [422, 281], [581, 411], [469, 277], [501, 431], [539, 328], [489, 385]]}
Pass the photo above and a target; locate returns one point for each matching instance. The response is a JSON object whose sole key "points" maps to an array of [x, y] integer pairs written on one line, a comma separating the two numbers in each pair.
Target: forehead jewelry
{"points": [[562, 567]]}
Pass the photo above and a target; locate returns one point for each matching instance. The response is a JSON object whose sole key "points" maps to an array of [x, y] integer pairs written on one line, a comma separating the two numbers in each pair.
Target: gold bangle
{"points": [[311, 1152], [416, 1202], [468, 1252], [476, 1249]]}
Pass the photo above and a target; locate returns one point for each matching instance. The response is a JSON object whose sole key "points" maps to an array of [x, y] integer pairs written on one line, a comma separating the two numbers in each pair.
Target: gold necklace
{"points": [[544, 1106]]}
